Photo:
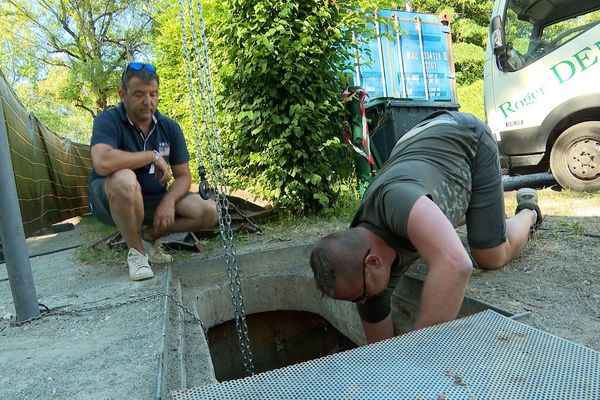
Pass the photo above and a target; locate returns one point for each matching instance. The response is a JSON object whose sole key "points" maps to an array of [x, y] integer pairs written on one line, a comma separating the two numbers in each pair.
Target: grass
{"points": [[95, 231], [565, 203]]}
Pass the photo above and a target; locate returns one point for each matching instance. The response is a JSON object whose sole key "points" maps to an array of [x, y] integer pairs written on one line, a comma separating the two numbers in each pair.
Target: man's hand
{"points": [[164, 215], [162, 171]]}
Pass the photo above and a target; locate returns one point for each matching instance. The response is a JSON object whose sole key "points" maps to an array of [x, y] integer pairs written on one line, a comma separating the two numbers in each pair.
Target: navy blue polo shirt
{"points": [[112, 127]]}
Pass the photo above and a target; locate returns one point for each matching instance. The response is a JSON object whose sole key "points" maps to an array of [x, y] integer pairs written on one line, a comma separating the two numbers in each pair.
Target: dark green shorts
{"points": [[486, 218]]}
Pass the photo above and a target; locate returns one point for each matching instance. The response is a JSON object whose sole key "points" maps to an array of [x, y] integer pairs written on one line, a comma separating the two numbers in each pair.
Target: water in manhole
{"points": [[277, 339]]}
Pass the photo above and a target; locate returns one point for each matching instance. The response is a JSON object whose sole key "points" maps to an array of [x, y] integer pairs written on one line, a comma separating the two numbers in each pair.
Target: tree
{"points": [[89, 40], [17, 61], [171, 65]]}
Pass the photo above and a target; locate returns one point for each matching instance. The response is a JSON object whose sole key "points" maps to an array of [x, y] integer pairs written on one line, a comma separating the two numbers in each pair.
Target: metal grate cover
{"points": [[484, 356]]}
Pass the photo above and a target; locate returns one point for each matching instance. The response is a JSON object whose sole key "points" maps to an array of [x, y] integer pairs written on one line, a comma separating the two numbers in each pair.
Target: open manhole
{"points": [[278, 339], [289, 322], [282, 338]]}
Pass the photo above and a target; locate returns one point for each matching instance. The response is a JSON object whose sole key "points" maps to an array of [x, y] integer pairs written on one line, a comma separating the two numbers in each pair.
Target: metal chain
{"points": [[63, 311], [190, 80], [189, 312], [225, 217], [209, 125]]}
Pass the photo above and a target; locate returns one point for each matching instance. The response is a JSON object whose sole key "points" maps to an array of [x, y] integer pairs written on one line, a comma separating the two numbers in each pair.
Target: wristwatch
{"points": [[156, 155]]}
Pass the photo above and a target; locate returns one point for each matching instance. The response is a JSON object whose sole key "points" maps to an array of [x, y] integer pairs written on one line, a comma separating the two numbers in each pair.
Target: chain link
{"points": [[63, 311], [209, 125]]}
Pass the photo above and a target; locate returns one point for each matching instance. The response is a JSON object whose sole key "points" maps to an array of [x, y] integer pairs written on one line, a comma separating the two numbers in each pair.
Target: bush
{"points": [[468, 62], [280, 66], [470, 98]]}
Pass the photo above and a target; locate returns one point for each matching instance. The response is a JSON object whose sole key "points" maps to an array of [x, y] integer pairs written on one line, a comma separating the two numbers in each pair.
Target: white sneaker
{"points": [[139, 269], [155, 252]]}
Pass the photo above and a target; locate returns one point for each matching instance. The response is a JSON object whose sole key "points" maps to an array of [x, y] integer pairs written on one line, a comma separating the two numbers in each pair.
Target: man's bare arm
{"points": [[449, 264], [182, 181], [107, 160]]}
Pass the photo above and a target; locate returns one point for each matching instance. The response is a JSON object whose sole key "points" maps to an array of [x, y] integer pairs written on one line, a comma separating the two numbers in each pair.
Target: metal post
{"points": [[380, 48], [13, 236], [400, 60], [420, 31], [356, 61], [388, 57], [363, 168]]}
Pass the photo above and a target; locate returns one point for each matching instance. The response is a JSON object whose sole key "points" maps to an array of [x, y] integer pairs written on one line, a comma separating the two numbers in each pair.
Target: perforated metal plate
{"points": [[484, 356]]}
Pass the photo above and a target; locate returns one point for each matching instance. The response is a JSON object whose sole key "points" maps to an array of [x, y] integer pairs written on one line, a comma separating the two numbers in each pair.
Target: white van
{"points": [[542, 88]]}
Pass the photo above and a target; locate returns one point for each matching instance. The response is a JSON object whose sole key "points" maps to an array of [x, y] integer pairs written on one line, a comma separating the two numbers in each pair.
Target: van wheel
{"points": [[575, 157]]}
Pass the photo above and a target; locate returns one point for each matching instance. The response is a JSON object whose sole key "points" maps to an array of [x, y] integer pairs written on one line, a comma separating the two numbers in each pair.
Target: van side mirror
{"points": [[497, 36]]}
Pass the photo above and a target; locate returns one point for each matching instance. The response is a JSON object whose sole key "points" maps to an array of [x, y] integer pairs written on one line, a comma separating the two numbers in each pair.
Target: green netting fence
{"points": [[51, 172]]}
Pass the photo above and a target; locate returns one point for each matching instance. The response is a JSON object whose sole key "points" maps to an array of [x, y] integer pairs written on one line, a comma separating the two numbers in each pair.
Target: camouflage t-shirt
{"points": [[436, 162], [451, 158]]}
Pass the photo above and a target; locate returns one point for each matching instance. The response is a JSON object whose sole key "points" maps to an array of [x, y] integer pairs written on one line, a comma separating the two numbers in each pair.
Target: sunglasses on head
{"points": [[138, 66]]}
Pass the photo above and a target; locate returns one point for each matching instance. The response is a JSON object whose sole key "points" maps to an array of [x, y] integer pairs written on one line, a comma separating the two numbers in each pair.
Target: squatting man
{"points": [[442, 173], [136, 151]]}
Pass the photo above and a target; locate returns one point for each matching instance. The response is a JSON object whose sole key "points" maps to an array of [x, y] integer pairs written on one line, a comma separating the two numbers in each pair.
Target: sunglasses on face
{"points": [[138, 66]]}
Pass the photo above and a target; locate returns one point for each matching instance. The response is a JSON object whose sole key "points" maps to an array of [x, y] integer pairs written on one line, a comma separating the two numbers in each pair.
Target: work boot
{"points": [[155, 252], [527, 199], [139, 269]]}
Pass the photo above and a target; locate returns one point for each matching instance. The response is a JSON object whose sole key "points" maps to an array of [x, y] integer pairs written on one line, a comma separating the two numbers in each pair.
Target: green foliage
{"points": [[280, 67], [477, 10], [17, 58], [21, 65], [40, 97], [466, 30], [470, 98], [468, 63], [174, 85]]}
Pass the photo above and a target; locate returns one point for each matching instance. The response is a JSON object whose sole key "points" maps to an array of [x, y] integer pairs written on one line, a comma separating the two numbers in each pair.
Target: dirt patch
{"points": [[556, 279]]}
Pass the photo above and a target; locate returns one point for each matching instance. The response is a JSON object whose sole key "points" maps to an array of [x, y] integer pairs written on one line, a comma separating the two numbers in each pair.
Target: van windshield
{"points": [[529, 38]]}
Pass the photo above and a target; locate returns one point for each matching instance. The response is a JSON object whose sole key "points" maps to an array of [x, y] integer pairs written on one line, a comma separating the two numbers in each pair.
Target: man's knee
{"points": [[494, 258], [195, 207], [208, 212], [123, 186]]}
